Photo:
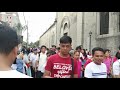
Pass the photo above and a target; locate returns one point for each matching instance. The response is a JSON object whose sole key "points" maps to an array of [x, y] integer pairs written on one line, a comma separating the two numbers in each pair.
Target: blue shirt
{"points": [[19, 63]]}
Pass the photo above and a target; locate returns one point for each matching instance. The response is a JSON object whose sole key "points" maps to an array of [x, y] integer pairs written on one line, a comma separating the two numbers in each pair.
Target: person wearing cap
{"points": [[8, 52]]}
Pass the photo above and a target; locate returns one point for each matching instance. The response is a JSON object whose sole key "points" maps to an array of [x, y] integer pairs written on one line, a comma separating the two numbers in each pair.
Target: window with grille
{"points": [[65, 34], [104, 23]]}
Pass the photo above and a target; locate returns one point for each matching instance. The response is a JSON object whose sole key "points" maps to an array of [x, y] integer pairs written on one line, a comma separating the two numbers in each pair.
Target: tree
{"points": [[36, 43], [31, 44]]}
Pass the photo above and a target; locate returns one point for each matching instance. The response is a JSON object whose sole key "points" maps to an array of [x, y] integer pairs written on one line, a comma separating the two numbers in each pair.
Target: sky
{"points": [[38, 23]]}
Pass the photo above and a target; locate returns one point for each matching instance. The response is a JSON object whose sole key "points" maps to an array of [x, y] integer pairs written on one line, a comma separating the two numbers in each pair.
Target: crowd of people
{"points": [[54, 62]]}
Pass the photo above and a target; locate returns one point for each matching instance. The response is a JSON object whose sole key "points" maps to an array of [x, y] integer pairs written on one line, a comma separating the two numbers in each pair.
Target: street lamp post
{"points": [[90, 33]]}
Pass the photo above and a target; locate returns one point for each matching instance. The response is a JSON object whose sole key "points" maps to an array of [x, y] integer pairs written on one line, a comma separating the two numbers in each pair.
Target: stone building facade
{"points": [[49, 37], [104, 28]]}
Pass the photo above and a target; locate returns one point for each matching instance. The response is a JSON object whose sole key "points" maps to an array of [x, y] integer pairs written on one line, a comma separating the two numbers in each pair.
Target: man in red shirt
{"points": [[60, 64]]}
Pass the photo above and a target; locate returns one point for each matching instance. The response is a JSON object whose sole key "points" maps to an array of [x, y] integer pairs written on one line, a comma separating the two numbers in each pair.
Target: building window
{"points": [[65, 34], [104, 23], [65, 26]]}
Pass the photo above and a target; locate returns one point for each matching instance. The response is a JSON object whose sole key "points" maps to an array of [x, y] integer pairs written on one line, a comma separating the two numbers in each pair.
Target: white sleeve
{"points": [[31, 57], [116, 68], [88, 72]]}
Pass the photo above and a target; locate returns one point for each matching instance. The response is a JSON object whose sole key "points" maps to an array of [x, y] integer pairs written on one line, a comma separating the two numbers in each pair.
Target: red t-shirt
{"points": [[60, 67]]}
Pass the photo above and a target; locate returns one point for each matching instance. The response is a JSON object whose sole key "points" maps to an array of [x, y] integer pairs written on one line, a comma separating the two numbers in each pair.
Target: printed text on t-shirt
{"points": [[63, 70]]}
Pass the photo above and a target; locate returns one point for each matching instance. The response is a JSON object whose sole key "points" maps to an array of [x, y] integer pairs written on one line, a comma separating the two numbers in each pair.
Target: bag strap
{"points": [[72, 62]]}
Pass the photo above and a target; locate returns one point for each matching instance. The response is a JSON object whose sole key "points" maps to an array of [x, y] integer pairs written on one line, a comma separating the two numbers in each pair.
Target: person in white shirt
{"points": [[26, 61], [41, 62], [8, 52], [116, 67], [96, 69], [33, 58]]}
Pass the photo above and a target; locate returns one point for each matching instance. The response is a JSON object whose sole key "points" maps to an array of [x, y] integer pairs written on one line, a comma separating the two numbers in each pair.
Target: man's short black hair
{"points": [[43, 46], [97, 49], [66, 39], [8, 39]]}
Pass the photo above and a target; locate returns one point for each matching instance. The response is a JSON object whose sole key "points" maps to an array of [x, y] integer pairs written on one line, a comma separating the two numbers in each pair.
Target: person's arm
{"points": [[88, 72], [48, 68], [116, 73]]}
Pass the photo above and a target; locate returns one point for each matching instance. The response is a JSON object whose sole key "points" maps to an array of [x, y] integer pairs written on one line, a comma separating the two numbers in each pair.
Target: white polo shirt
{"points": [[93, 70], [42, 62]]}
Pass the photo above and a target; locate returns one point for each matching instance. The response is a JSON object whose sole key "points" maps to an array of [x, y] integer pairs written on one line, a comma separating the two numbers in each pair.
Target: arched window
{"points": [[65, 26], [65, 30], [66, 33]]}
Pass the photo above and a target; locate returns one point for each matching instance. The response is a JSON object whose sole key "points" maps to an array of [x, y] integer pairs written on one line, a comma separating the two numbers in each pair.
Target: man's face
{"points": [[43, 49], [65, 48], [98, 57]]}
